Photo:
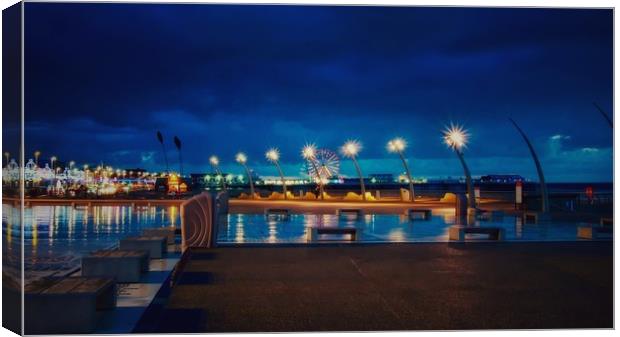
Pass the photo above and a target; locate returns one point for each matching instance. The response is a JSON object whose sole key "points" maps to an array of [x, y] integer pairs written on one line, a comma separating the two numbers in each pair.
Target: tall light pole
{"points": [[456, 138], [541, 176], [215, 162], [350, 149], [52, 160], [160, 138], [243, 159], [398, 145], [309, 153], [7, 155], [36, 157], [273, 155]]}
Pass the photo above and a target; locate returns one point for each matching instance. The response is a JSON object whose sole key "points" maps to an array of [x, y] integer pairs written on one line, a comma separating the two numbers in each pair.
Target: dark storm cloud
{"points": [[102, 78]]}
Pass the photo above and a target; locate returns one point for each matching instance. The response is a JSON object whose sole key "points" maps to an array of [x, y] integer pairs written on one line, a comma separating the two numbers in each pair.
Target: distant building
{"points": [[205, 180], [381, 178], [501, 178]]}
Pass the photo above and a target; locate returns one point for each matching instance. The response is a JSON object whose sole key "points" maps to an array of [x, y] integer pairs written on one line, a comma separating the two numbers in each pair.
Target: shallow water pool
{"points": [[258, 228]]}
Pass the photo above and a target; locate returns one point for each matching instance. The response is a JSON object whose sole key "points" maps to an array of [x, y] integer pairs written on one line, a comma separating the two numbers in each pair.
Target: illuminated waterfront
{"points": [[56, 236]]}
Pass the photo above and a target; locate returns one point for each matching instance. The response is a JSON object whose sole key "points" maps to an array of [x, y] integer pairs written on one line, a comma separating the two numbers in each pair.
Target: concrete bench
{"points": [[358, 213], [67, 305], [155, 245], [607, 221], [277, 212], [168, 232], [488, 215], [457, 233], [314, 232], [535, 217], [426, 213], [123, 265], [594, 232]]}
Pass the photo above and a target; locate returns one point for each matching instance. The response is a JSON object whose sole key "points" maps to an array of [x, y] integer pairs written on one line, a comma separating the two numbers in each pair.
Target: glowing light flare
{"points": [[397, 145], [241, 158], [309, 151], [456, 137], [214, 160], [351, 148], [273, 155]]}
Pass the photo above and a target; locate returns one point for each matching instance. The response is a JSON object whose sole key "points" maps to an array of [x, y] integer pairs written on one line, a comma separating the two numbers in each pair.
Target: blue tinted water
{"points": [[257, 228], [56, 236]]}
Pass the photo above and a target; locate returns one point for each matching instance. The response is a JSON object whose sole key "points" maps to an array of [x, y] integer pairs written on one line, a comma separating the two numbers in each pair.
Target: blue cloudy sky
{"points": [[101, 79]]}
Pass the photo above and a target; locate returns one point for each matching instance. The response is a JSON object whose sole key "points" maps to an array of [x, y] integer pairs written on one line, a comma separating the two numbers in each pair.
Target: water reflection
{"points": [[57, 236], [257, 228]]}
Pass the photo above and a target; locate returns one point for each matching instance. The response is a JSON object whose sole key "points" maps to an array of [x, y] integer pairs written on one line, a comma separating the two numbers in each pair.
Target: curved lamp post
{"points": [[541, 177], [52, 160], [36, 157], [398, 145], [605, 115], [242, 159], [215, 163], [273, 155], [456, 138], [309, 154], [350, 149]]}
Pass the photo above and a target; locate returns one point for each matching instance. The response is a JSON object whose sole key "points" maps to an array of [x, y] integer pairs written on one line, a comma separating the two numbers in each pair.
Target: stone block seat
{"points": [[67, 305], [124, 266], [414, 212], [155, 245], [168, 232], [457, 233], [313, 233]]}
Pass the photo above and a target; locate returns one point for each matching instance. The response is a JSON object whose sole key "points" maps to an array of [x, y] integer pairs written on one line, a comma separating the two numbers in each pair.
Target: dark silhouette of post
{"points": [[160, 137], [605, 115], [177, 143], [541, 176], [470, 186]]}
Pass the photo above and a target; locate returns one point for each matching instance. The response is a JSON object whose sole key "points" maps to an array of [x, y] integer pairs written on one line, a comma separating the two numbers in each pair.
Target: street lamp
{"points": [[350, 149], [52, 160], [7, 155], [398, 145], [242, 159], [36, 157], [215, 163], [273, 155], [309, 154], [456, 138]]}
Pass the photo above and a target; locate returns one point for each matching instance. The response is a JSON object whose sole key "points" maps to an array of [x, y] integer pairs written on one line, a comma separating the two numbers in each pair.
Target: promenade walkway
{"points": [[390, 287]]}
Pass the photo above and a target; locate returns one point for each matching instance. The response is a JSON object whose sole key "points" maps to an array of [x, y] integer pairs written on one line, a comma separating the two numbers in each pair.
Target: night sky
{"points": [[101, 79]]}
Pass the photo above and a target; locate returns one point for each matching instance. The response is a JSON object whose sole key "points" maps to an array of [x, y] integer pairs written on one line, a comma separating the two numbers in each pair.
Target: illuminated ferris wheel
{"points": [[325, 164]]}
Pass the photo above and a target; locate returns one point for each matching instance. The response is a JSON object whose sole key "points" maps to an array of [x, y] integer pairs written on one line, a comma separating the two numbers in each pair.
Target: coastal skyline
{"points": [[240, 78]]}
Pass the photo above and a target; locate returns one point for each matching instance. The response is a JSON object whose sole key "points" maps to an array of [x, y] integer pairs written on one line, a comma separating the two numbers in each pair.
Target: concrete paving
{"points": [[365, 287]]}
